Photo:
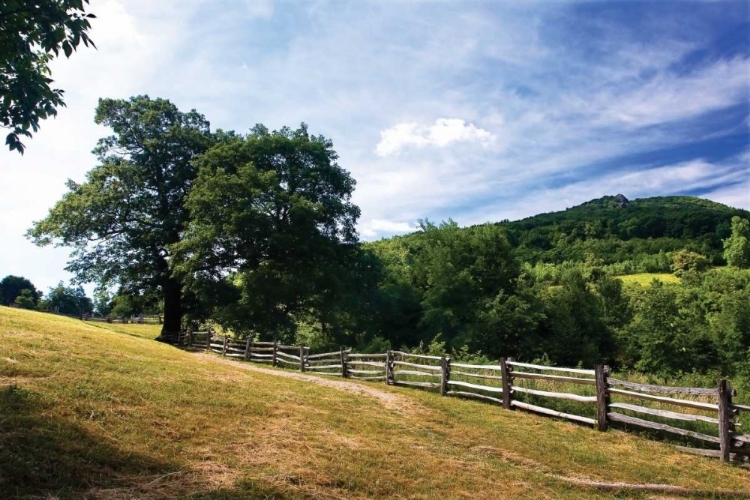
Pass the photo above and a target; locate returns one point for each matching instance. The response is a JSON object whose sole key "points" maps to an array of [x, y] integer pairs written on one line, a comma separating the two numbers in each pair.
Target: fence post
{"points": [[389, 368], [726, 419], [208, 340], [602, 397], [506, 382], [302, 358], [248, 345], [445, 372], [224, 348], [344, 371], [275, 350], [190, 338]]}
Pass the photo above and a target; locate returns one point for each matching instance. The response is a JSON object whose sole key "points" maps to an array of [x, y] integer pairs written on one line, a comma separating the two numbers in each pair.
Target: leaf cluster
{"points": [[31, 35]]}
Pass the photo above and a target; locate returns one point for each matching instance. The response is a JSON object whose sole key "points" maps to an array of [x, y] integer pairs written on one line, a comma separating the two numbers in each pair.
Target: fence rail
{"points": [[512, 384]]}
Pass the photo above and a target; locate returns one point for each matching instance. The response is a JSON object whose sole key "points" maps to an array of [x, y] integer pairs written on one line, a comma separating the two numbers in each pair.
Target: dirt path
{"points": [[388, 399]]}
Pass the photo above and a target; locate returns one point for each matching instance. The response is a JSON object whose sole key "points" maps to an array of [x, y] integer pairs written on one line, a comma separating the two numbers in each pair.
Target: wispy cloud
{"points": [[670, 96]]}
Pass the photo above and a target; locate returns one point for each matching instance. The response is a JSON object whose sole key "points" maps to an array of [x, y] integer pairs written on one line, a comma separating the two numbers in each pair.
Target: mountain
{"points": [[616, 229]]}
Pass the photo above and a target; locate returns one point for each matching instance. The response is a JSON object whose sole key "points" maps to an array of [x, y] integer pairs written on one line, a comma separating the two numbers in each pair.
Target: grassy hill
{"points": [[104, 412]]}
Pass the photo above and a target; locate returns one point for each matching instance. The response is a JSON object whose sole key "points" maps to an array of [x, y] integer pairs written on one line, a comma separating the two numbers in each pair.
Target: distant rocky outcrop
{"points": [[620, 201]]}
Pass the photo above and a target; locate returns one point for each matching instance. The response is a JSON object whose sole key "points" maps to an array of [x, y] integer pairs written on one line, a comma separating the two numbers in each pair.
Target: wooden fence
{"points": [[595, 398], [153, 320]]}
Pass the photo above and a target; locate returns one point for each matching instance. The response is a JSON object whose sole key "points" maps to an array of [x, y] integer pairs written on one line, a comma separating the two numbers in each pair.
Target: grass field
{"points": [[102, 411], [645, 279]]}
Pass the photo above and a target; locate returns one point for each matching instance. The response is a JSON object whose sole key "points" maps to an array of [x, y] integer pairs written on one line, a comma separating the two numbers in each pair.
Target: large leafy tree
{"points": [[123, 219], [12, 286], [272, 230], [31, 35]]}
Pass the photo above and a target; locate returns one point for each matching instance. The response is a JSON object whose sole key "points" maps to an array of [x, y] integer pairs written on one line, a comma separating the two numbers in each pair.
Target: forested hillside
{"points": [[629, 232]]}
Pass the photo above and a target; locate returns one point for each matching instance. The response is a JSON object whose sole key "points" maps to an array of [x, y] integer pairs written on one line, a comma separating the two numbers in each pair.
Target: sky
{"points": [[472, 110]]}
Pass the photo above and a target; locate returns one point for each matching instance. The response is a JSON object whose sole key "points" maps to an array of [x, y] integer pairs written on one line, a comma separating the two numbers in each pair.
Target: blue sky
{"points": [[474, 110]]}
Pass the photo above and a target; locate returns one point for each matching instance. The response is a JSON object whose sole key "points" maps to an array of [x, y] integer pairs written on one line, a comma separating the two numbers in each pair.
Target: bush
{"points": [[25, 300], [686, 261]]}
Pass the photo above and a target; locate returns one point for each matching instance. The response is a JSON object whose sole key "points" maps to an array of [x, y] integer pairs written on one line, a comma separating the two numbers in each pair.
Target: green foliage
{"points": [[102, 302], [456, 271], [699, 326], [33, 33], [399, 302], [13, 286], [122, 220], [26, 299], [574, 329], [466, 287], [272, 232], [737, 246], [686, 261], [68, 300], [614, 307], [124, 305]]}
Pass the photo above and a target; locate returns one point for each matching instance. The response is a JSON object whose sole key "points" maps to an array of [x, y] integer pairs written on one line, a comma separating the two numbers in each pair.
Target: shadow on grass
{"points": [[42, 456]]}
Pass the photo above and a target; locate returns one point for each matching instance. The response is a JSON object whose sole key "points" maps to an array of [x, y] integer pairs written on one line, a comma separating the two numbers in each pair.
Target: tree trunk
{"points": [[172, 307]]}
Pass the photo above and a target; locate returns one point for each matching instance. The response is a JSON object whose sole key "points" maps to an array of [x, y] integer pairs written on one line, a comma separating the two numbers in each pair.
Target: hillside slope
{"points": [[615, 228], [105, 412]]}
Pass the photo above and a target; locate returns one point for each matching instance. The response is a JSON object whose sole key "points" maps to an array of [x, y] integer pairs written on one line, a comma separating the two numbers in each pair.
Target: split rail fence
{"points": [[706, 416]]}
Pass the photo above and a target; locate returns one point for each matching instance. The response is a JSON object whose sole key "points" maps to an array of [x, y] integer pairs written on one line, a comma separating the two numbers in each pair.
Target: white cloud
{"points": [[442, 133], [372, 228]]}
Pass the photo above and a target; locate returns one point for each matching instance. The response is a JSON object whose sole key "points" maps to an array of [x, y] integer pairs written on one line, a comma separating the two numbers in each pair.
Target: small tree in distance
{"points": [[25, 300], [687, 261], [68, 300], [737, 246]]}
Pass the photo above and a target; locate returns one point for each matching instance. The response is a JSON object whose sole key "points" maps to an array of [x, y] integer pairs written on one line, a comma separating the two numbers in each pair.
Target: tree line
{"points": [[17, 291], [467, 288]]}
